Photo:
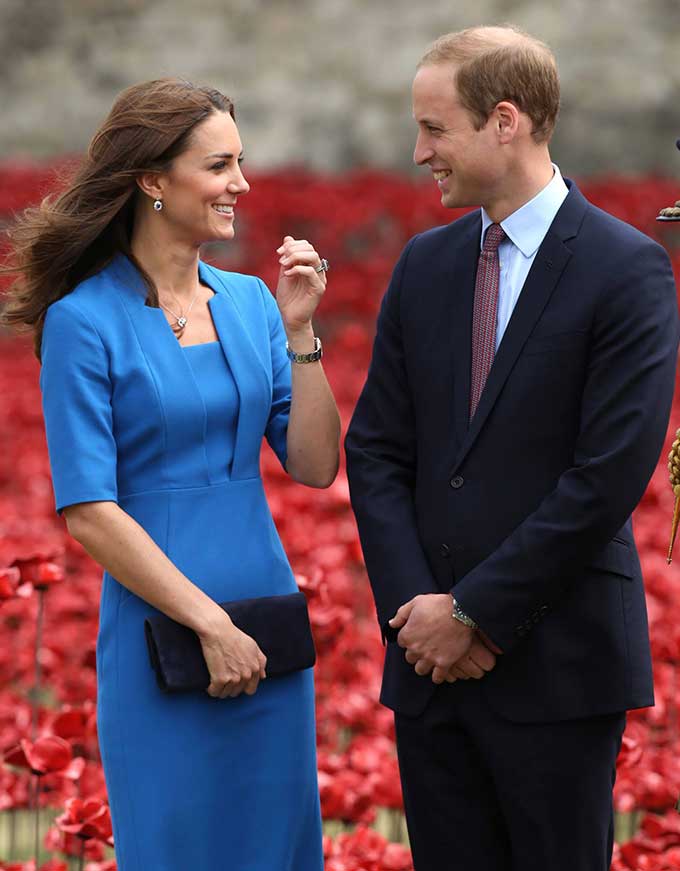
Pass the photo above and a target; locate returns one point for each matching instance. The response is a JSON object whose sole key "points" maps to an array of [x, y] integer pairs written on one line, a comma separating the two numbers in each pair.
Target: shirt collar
{"points": [[526, 228]]}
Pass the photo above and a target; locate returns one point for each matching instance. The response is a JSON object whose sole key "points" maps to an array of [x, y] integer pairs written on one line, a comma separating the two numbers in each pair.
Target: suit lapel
{"points": [[546, 270], [253, 382]]}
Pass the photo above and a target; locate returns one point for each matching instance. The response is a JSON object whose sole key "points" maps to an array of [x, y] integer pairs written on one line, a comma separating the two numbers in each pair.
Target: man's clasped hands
{"points": [[437, 643]]}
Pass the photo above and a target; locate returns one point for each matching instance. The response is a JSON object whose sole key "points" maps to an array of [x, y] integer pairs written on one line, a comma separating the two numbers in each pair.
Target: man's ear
{"points": [[506, 119], [150, 184]]}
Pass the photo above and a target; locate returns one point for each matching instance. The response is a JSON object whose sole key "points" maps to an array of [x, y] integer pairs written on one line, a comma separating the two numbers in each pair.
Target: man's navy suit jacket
{"points": [[525, 512]]}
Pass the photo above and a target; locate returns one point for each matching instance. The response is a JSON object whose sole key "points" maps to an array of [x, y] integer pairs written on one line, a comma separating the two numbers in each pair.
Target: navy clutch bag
{"points": [[279, 625]]}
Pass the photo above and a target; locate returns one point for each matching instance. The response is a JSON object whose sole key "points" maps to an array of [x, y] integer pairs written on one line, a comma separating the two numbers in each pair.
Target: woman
{"points": [[160, 376]]}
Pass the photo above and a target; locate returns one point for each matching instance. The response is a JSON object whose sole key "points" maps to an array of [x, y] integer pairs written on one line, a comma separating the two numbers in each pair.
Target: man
{"points": [[515, 407]]}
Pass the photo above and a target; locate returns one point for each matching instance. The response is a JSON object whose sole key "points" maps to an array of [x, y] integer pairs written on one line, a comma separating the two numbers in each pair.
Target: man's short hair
{"points": [[501, 63]]}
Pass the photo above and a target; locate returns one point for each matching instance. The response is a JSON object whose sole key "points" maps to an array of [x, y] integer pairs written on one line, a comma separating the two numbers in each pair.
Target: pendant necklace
{"points": [[180, 319]]}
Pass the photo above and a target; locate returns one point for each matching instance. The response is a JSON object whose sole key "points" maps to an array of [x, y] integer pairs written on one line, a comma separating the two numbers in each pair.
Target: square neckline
{"points": [[200, 344], [211, 341]]}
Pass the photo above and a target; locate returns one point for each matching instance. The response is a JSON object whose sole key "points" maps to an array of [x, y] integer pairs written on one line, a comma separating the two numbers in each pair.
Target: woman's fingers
{"points": [[235, 664], [309, 256], [290, 244], [314, 278], [295, 253]]}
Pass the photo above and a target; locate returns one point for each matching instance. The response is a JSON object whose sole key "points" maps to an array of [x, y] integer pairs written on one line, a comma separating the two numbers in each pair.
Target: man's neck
{"points": [[522, 184]]}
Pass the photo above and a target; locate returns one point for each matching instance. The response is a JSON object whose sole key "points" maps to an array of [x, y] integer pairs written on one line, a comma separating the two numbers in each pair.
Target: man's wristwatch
{"points": [[461, 616]]}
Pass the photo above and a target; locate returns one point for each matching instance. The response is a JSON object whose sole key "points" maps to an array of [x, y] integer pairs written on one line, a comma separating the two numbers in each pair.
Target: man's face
{"points": [[465, 162]]}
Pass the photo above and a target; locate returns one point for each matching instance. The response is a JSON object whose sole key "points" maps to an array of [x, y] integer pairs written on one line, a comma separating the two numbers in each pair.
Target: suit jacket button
{"points": [[543, 610], [445, 551], [457, 482]]}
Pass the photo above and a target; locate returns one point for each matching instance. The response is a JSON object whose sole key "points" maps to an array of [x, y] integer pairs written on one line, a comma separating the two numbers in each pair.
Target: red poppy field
{"points": [[49, 588]]}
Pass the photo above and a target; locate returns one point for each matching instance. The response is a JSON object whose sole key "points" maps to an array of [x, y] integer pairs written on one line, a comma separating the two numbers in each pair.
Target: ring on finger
{"points": [[323, 266]]}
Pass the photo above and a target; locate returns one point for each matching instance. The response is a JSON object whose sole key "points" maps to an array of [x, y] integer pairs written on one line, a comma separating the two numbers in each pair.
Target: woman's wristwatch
{"points": [[315, 355], [461, 616]]}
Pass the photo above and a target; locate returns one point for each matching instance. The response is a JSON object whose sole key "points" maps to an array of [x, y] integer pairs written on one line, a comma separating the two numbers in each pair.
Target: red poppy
{"points": [[72, 845], [630, 753], [48, 755], [10, 584], [87, 818], [39, 569], [358, 771]]}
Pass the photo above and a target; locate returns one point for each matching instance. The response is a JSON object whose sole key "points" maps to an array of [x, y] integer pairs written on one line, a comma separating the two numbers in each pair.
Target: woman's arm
{"points": [[129, 554], [313, 440], [314, 424]]}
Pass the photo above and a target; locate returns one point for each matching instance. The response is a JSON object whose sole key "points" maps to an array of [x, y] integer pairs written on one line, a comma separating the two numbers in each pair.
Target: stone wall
{"points": [[325, 83]]}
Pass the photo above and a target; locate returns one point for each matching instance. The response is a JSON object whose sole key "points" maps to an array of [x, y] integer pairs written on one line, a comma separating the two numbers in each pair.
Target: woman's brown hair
{"points": [[75, 233]]}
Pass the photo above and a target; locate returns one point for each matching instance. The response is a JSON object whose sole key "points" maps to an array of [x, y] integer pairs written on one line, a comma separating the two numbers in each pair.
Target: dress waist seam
{"points": [[211, 486]]}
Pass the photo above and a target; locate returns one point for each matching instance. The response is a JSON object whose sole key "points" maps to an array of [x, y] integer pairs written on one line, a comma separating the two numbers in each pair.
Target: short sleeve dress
{"points": [[173, 435]]}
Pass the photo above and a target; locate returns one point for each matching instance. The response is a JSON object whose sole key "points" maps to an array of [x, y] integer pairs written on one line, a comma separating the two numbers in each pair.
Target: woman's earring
{"points": [[158, 204]]}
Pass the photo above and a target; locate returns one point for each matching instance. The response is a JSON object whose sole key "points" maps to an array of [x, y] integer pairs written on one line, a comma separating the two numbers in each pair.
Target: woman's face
{"points": [[200, 189]]}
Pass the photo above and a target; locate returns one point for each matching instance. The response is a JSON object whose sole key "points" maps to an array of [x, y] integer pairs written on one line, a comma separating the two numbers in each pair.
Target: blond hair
{"points": [[492, 64]]}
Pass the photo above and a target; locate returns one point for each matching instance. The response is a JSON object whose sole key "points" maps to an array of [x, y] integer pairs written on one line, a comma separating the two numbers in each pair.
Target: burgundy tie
{"points": [[485, 314]]}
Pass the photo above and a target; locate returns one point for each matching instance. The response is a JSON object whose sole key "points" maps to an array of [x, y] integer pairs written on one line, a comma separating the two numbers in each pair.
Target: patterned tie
{"points": [[485, 313]]}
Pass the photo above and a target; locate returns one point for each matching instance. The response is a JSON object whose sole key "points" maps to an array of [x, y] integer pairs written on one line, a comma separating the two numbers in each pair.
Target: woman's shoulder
{"points": [[245, 290], [238, 282], [91, 300]]}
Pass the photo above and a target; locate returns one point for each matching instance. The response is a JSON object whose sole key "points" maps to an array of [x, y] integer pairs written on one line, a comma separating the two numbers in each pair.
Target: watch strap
{"points": [[312, 357]]}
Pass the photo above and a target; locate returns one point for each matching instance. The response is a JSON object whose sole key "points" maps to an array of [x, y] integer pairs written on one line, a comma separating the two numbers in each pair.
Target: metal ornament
{"points": [[670, 213], [313, 357], [324, 266], [180, 319], [674, 476], [158, 205]]}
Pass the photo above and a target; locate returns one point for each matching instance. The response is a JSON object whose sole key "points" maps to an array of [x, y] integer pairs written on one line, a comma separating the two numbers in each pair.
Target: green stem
{"points": [[37, 820], [38, 644], [81, 861], [12, 833]]}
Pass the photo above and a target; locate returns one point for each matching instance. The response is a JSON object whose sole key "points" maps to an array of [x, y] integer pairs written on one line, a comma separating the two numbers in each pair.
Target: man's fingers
{"points": [[402, 615], [439, 675], [251, 686], [398, 620], [494, 648], [411, 657], [424, 666], [470, 667], [482, 656]]}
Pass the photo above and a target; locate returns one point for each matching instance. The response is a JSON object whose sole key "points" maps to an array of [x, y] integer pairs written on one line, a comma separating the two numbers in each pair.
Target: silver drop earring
{"points": [[158, 205]]}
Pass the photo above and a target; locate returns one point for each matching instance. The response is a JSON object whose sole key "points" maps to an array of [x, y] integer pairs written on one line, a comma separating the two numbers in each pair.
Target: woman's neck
{"points": [[173, 267]]}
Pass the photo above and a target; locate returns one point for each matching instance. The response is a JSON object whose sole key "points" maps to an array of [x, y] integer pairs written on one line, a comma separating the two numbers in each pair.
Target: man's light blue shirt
{"points": [[525, 230]]}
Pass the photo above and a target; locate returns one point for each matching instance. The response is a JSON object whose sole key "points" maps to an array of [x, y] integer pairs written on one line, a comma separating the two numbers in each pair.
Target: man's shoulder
{"points": [[614, 235]]}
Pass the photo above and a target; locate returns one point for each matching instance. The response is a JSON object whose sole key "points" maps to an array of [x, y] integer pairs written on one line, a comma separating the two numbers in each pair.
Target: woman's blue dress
{"points": [[173, 435]]}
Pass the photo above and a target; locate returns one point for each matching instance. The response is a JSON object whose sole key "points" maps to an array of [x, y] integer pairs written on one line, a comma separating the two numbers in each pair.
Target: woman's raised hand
{"points": [[235, 662], [300, 286]]}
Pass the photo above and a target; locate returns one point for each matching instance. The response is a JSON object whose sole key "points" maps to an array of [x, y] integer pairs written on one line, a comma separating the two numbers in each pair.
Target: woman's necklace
{"points": [[180, 319]]}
